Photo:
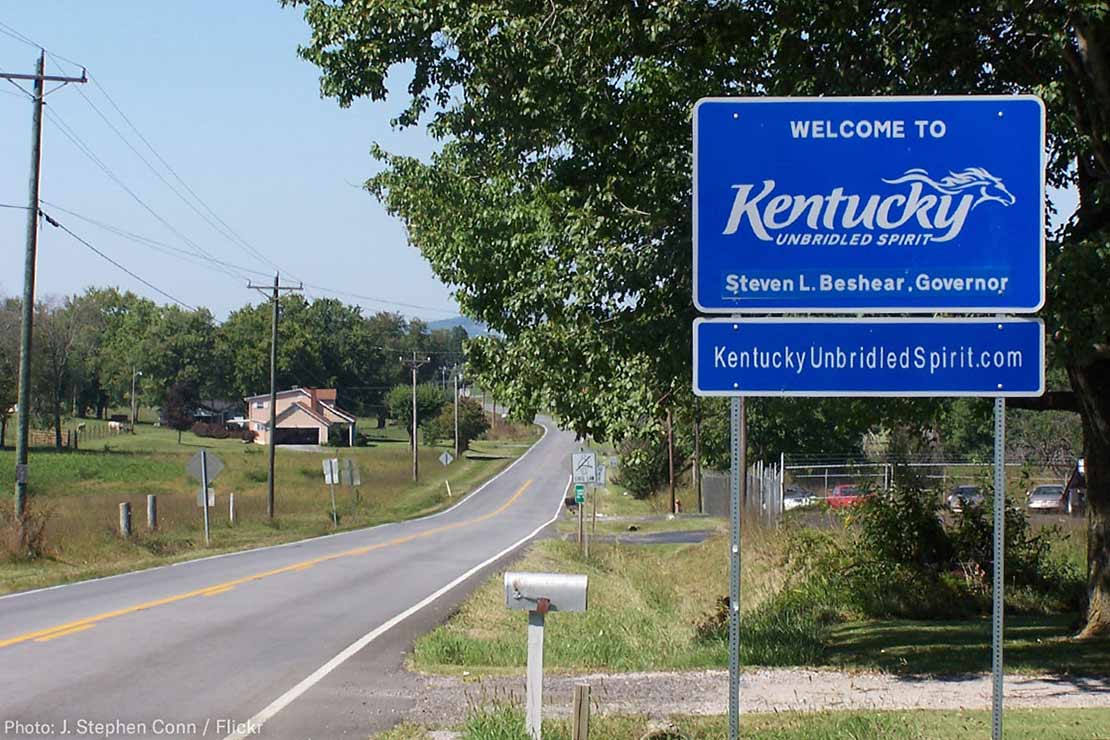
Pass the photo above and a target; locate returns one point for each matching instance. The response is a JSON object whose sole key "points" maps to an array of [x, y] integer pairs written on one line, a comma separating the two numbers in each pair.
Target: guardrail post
{"points": [[151, 512], [125, 519]]}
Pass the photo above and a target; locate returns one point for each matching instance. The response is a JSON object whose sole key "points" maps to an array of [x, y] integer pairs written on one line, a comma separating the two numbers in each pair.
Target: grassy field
{"points": [[507, 723], [654, 607], [79, 492]]}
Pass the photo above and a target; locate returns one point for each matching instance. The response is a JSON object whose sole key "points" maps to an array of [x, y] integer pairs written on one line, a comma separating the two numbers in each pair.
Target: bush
{"points": [[28, 542], [903, 527], [643, 468], [248, 435], [215, 430]]}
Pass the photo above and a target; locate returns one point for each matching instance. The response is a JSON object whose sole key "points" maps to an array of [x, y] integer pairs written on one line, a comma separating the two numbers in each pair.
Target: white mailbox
{"points": [[538, 594], [546, 592]]}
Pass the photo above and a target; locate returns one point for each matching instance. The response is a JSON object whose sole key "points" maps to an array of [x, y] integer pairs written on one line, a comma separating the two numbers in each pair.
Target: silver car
{"points": [[1047, 498], [964, 496]]}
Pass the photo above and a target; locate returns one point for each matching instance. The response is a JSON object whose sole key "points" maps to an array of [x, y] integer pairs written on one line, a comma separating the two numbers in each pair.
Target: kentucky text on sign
{"points": [[869, 357], [869, 204]]}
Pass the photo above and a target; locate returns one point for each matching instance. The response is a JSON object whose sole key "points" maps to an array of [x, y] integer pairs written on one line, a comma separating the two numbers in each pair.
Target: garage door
{"points": [[297, 436]]}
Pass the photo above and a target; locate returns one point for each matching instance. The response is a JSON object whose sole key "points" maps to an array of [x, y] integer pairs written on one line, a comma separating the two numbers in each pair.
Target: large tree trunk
{"points": [[1092, 388]]}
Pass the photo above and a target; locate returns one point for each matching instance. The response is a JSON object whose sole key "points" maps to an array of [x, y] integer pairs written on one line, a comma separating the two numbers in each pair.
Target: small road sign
{"points": [[584, 467], [580, 493], [211, 497], [869, 357], [215, 465], [349, 473], [889, 204], [331, 471], [446, 459]]}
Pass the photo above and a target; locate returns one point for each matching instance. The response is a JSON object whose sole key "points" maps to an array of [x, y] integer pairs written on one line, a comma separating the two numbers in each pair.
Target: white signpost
{"points": [[331, 478]]}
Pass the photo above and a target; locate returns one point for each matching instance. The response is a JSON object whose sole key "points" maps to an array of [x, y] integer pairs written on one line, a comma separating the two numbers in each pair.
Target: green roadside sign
{"points": [[579, 493]]}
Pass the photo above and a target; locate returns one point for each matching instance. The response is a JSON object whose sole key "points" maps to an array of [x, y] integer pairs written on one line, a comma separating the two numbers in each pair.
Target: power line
{"points": [[147, 283], [13, 33], [12, 205], [87, 151], [228, 232], [385, 301], [156, 245]]}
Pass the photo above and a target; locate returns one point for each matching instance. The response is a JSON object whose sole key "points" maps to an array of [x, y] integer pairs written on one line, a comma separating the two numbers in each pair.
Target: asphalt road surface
{"points": [[295, 641]]}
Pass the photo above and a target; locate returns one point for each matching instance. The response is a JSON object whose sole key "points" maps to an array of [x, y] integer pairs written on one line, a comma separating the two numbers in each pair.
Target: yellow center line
{"points": [[63, 633], [81, 625]]}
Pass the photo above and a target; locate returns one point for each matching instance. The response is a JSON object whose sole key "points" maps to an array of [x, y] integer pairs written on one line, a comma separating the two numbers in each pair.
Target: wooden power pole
{"points": [[414, 364], [274, 297], [38, 99]]}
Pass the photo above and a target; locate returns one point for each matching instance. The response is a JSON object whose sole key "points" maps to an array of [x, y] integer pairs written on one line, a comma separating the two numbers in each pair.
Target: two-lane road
{"points": [[250, 641]]}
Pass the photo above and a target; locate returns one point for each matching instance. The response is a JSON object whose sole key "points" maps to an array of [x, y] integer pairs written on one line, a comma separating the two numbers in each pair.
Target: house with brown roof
{"points": [[304, 416]]}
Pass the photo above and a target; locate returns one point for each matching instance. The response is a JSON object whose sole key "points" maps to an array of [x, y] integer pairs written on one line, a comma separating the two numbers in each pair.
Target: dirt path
{"points": [[444, 701]]}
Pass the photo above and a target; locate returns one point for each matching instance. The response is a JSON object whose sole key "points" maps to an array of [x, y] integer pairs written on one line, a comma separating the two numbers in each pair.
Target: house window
{"points": [[260, 404]]}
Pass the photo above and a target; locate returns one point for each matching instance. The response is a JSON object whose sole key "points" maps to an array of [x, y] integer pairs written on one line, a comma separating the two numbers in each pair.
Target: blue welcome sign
{"points": [[878, 356], [931, 204]]}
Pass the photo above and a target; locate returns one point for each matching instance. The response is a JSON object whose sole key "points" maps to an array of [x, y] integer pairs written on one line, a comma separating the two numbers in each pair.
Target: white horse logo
{"points": [[990, 187]]}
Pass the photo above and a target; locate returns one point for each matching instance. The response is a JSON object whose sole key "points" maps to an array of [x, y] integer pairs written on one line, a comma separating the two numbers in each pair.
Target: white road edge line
{"points": [[318, 675], [236, 553]]}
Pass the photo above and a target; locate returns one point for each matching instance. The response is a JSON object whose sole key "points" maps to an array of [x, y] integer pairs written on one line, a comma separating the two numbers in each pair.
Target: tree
{"points": [[558, 205], [177, 407], [473, 423], [61, 329], [429, 400]]}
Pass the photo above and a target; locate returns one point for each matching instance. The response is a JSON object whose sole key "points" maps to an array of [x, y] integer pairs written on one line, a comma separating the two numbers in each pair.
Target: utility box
{"points": [[546, 592]]}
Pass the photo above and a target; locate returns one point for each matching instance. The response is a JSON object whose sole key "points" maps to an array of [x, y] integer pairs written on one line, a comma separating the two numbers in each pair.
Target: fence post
{"points": [[125, 519], [151, 512], [580, 727]]}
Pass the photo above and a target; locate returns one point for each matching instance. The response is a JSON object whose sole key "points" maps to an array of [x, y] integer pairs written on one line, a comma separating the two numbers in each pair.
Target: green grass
{"points": [[646, 602], [1033, 644], [80, 491], [505, 722]]}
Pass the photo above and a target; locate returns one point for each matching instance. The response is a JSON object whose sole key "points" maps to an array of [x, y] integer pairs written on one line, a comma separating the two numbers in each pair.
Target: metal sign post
{"points": [[997, 593], [737, 482], [331, 477], [204, 493]]}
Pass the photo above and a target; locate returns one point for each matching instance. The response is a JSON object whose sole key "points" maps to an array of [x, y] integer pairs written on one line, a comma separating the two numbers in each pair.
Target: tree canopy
{"points": [[559, 203]]}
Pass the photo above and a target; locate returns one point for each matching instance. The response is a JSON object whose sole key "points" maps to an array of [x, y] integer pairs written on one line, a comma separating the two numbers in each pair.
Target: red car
{"points": [[845, 495]]}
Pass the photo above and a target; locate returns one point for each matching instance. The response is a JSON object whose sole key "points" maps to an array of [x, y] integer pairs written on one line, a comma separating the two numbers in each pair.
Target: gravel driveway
{"points": [[443, 701]]}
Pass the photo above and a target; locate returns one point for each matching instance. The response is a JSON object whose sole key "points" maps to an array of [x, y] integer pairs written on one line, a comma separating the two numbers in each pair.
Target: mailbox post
{"points": [[538, 594]]}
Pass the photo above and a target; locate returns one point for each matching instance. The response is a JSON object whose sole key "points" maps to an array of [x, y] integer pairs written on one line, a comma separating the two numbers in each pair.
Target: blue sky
{"points": [[218, 89]]}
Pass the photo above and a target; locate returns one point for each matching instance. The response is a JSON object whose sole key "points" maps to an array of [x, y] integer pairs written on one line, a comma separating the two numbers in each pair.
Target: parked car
{"points": [[962, 497], [845, 495], [796, 497], [1048, 498]]}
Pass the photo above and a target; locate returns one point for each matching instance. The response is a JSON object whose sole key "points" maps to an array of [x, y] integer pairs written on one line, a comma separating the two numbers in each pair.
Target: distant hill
{"points": [[473, 328]]}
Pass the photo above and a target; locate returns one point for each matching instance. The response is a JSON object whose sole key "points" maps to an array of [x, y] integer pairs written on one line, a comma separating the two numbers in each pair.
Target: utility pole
{"points": [[670, 456], [414, 364], [456, 368], [274, 299], [134, 408], [38, 98]]}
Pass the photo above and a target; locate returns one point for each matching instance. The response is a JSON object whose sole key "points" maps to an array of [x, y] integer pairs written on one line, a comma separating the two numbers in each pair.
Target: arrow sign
{"points": [[215, 465], [446, 458]]}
